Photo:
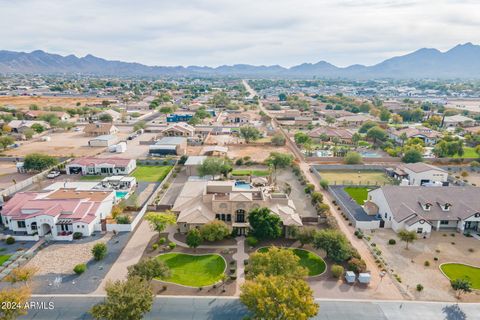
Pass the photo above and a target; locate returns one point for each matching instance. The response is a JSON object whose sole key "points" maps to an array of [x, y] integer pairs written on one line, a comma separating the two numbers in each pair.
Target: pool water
{"points": [[370, 155], [120, 194], [243, 185]]}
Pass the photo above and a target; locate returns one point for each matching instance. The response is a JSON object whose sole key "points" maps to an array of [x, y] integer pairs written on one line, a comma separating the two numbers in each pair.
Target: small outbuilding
{"points": [[169, 146], [350, 277], [103, 141], [364, 278], [192, 164]]}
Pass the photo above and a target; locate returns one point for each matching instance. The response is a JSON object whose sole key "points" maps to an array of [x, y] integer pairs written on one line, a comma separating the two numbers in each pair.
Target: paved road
{"points": [[179, 308]]}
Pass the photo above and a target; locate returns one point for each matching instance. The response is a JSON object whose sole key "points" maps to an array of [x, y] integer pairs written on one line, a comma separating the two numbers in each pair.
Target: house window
{"points": [[229, 217], [223, 217], [444, 222], [33, 226], [217, 216], [21, 224], [385, 215], [419, 230]]}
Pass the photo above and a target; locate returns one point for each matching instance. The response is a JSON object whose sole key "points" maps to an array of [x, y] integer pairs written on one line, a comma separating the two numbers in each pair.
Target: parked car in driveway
{"points": [[53, 174]]}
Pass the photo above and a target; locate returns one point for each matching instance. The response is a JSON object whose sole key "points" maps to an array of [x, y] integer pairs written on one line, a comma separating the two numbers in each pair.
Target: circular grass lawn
{"points": [[309, 260], [194, 270], [462, 271]]}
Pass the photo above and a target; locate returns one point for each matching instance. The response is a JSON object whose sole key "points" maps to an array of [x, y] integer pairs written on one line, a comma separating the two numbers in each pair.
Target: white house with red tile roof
{"points": [[58, 213], [101, 166]]}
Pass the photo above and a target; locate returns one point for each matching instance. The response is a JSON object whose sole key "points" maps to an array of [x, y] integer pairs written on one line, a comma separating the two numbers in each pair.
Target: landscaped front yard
{"points": [[194, 270], [309, 260], [461, 271], [151, 173], [358, 194], [468, 152], [3, 258]]}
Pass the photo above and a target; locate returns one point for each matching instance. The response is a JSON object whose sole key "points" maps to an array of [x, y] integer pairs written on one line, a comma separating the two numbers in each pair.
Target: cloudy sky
{"points": [[216, 32]]}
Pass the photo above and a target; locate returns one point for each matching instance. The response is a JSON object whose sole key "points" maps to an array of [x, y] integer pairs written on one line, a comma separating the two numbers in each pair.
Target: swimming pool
{"points": [[121, 194], [243, 185], [366, 154]]}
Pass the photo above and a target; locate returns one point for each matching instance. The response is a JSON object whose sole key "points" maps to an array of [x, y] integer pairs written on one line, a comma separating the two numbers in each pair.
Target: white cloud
{"points": [[215, 32]]}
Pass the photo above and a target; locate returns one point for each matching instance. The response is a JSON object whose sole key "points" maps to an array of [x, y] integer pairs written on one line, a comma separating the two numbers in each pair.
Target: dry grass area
{"points": [[470, 104], [23, 102], [61, 258], [413, 269], [257, 152]]}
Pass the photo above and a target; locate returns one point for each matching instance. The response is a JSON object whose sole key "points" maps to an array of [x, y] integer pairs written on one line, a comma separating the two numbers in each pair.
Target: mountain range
{"points": [[462, 62]]}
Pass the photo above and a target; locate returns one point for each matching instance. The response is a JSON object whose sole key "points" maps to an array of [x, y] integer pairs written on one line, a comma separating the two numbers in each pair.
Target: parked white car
{"points": [[53, 174]]}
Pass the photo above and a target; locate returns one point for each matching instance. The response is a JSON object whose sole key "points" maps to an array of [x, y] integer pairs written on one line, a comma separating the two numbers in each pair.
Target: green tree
{"points": [[412, 156], [213, 166], [278, 140], [352, 157], [306, 235], [14, 300], [99, 251], [334, 243], [39, 162], [220, 100], [301, 138], [215, 230], [264, 224], [461, 285], [105, 117], [5, 141], [367, 126], [38, 128], [166, 109], [407, 236], [275, 262], [278, 298], [128, 300], [250, 133], [279, 160], [356, 138], [194, 238], [148, 269], [385, 115], [376, 134], [159, 221], [139, 125]]}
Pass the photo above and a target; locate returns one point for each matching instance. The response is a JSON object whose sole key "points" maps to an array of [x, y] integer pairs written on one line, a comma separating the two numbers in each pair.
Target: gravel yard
{"points": [[60, 258]]}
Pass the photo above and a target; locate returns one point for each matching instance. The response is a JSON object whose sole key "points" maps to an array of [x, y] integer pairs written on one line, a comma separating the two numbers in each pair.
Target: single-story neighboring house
{"points": [[19, 126], [101, 166], [169, 146], [418, 174], [192, 164], [99, 129], [238, 118], [202, 201], [103, 141], [57, 213], [331, 133], [214, 151], [34, 114], [114, 114], [429, 136], [355, 120], [458, 121], [180, 129], [423, 209]]}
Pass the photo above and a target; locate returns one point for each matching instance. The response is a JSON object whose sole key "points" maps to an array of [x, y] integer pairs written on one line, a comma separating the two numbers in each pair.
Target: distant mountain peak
{"points": [[461, 61]]}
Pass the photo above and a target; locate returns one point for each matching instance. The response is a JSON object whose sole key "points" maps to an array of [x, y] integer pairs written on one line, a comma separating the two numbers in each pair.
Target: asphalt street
{"points": [[180, 308]]}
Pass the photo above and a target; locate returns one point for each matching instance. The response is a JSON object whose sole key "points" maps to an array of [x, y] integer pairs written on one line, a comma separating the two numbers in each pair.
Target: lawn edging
{"points": [[292, 248], [459, 263], [194, 254]]}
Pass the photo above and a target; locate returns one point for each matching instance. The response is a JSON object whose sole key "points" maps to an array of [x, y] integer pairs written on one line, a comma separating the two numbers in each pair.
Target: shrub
{"points": [[80, 268], [77, 235], [172, 245], [309, 188], [252, 241], [392, 241], [10, 240], [99, 251], [426, 263], [317, 197], [435, 258], [123, 219], [324, 183], [419, 287], [357, 265], [154, 246], [337, 271], [215, 230], [161, 241]]}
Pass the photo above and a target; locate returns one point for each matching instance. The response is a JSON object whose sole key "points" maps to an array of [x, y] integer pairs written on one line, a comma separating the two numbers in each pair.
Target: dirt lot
{"points": [[61, 144], [9, 175], [23, 102], [257, 152], [410, 264]]}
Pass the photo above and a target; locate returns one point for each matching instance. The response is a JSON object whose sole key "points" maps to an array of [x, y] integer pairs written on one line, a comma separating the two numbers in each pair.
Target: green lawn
{"points": [[469, 152], [358, 194], [194, 271], [257, 173], [151, 173], [458, 270], [3, 258], [314, 264], [355, 177]]}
